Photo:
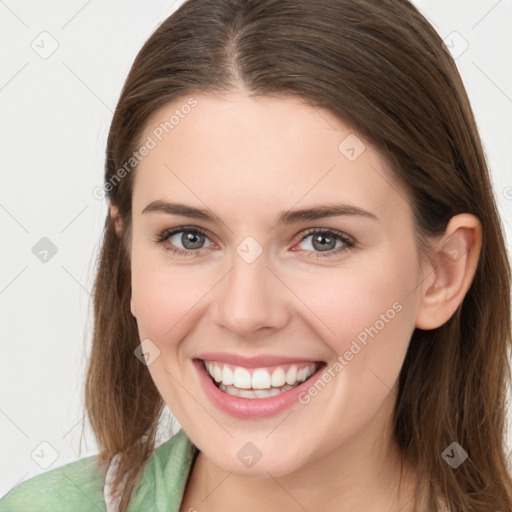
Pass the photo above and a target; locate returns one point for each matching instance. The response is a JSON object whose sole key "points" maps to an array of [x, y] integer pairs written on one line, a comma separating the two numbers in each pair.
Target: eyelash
{"points": [[348, 243]]}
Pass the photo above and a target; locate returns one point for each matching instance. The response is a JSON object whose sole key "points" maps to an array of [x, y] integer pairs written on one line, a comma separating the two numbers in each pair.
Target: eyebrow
{"points": [[285, 217]]}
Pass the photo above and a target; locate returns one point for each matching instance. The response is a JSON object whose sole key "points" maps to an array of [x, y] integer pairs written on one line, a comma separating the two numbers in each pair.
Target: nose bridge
{"points": [[251, 297]]}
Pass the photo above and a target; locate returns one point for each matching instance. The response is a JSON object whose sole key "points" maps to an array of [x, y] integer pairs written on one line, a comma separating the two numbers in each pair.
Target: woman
{"points": [[304, 262]]}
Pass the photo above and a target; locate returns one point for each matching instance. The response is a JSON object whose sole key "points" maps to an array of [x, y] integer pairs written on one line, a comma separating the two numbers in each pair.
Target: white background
{"points": [[55, 114]]}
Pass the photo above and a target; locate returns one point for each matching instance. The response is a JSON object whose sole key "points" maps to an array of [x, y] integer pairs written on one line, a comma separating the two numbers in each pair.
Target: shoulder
{"points": [[77, 486]]}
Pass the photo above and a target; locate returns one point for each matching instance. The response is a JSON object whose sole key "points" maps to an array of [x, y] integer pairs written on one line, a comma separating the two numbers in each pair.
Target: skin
{"points": [[247, 159]]}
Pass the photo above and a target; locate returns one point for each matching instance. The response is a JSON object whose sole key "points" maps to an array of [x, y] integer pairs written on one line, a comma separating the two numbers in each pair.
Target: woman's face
{"points": [[295, 254]]}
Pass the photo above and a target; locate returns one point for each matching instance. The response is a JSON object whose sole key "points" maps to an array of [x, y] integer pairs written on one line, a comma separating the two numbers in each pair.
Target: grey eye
{"points": [[321, 242], [189, 239]]}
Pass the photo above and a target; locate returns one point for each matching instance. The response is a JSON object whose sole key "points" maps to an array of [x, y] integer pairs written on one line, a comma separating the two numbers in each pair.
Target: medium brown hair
{"points": [[381, 68]]}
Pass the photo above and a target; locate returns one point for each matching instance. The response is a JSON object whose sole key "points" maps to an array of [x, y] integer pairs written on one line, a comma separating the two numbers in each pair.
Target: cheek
{"points": [[167, 299], [156, 301], [366, 317], [372, 319], [350, 306]]}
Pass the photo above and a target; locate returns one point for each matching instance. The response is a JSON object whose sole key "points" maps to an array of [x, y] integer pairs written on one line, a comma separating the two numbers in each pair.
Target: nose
{"points": [[251, 301]]}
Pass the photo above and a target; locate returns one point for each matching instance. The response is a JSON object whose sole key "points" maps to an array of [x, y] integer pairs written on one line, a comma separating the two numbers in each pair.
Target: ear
{"points": [[450, 271], [116, 219]]}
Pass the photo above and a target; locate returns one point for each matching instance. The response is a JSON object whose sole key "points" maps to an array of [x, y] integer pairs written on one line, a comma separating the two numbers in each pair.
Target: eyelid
{"points": [[338, 234]]}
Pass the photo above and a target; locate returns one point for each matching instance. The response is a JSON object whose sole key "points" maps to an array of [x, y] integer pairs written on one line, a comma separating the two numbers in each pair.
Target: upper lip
{"points": [[258, 361]]}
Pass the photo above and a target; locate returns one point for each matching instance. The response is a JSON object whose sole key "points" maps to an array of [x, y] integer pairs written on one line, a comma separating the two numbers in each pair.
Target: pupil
{"points": [[192, 240], [322, 244]]}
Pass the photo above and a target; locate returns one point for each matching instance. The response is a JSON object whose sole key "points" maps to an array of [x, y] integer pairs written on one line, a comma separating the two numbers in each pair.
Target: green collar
{"points": [[165, 476]]}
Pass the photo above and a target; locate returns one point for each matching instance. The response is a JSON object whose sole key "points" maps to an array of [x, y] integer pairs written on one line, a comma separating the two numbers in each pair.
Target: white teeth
{"points": [[246, 393], [291, 375], [260, 379], [241, 378], [253, 393], [227, 376], [278, 378], [262, 393], [240, 382]]}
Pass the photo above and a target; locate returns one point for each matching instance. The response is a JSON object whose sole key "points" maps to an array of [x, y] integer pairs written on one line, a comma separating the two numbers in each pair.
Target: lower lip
{"points": [[251, 407]]}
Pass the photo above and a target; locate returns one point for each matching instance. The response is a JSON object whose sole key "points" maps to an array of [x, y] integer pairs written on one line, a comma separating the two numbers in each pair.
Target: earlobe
{"points": [[450, 272], [116, 219]]}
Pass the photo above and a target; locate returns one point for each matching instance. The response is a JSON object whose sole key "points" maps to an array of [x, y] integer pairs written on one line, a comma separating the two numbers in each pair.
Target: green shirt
{"points": [[78, 486]]}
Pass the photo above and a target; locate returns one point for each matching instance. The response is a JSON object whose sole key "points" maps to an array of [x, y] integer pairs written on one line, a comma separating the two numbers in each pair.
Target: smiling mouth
{"points": [[259, 382]]}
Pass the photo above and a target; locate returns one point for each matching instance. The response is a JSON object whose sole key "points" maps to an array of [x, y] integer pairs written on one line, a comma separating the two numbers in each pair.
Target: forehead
{"points": [[240, 152]]}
